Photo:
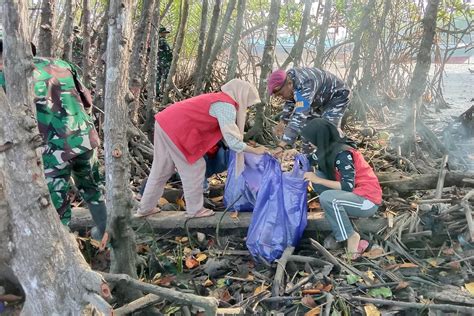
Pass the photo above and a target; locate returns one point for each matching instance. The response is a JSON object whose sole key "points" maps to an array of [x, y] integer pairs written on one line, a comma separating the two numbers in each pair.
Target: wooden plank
{"points": [[166, 221]]}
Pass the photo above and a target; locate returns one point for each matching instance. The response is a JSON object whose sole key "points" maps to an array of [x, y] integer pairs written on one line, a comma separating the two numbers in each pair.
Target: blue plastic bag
{"points": [[280, 214], [245, 186]]}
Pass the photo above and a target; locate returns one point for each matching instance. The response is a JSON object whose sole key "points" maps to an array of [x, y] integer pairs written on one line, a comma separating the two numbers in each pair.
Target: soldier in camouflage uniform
{"points": [[63, 105], [165, 56], [77, 43], [308, 93]]}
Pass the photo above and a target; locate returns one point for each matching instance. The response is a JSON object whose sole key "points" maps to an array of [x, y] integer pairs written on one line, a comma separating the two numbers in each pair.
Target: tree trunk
{"points": [[176, 50], [234, 47], [367, 82], [45, 39], [323, 33], [219, 39], [269, 49], [101, 51], [202, 35], [357, 40], [151, 86], [117, 163], [423, 60], [297, 50], [67, 34], [211, 35], [86, 42], [256, 132], [137, 65], [53, 273]]}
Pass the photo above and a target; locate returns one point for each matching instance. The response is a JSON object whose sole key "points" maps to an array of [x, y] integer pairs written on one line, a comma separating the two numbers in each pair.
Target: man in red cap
{"points": [[308, 93]]}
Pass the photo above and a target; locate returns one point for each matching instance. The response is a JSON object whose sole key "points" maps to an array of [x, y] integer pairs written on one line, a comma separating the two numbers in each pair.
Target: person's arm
{"points": [[306, 86], [225, 113], [345, 165]]}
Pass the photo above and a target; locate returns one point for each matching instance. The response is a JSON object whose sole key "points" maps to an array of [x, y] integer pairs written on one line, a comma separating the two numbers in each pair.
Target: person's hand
{"points": [[279, 129], [260, 150], [311, 176], [277, 152], [289, 154]]}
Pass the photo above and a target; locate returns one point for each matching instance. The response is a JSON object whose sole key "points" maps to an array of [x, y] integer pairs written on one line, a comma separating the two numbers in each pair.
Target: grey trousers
{"points": [[338, 205]]}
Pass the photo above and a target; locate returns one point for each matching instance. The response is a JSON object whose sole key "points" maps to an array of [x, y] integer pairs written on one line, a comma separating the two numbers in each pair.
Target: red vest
{"points": [[366, 182], [189, 125]]}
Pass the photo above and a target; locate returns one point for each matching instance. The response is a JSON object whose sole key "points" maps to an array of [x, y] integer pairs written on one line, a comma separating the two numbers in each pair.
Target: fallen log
{"points": [[404, 184], [174, 220]]}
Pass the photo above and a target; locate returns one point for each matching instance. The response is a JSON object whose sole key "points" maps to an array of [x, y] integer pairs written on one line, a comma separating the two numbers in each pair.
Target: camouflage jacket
{"points": [[313, 89], [165, 55], [61, 102], [77, 55]]}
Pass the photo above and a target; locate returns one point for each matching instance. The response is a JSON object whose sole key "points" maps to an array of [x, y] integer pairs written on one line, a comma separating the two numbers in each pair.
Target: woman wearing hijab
{"points": [[185, 131], [347, 184]]}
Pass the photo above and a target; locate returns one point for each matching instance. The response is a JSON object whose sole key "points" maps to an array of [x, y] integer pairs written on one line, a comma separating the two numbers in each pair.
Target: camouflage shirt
{"points": [[165, 55], [61, 102], [313, 89]]}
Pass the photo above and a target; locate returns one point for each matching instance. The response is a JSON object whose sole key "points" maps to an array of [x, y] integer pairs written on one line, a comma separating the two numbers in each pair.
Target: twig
{"points": [[141, 303], [207, 303], [441, 177], [218, 226], [470, 222], [329, 301], [442, 307], [338, 263], [280, 271], [97, 301]]}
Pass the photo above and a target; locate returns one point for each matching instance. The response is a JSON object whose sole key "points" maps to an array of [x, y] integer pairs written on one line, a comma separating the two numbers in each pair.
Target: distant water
{"points": [[458, 88]]}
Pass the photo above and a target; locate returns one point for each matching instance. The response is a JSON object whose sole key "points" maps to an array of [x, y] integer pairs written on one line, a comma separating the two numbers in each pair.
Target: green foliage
{"points": [[384, 292]]}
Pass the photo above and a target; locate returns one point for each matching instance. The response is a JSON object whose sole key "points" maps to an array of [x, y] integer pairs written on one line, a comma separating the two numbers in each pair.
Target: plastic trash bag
{"points": [[246, 185], [280, 214]]}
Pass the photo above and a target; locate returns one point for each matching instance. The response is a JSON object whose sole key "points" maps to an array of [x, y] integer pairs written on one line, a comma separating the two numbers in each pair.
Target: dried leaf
{"points": [[208, 283], [308, 301], [370, 275], [373, 253], [260, 289], [143, 248], [201, 257], [162, 201], [250, 277], [187, 251], [225, 296], [165, 281], [402, 285], [327, 288], [448, 251], [408, 265], [371, 310], [455, 265], [191, 263], [217, 199], [311, 291], [315, 311], [181, 203], [470, 287], [435, 262]]}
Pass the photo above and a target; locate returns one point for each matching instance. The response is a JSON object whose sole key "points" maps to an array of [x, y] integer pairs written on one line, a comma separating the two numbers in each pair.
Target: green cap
{"points": [[163, 29]]}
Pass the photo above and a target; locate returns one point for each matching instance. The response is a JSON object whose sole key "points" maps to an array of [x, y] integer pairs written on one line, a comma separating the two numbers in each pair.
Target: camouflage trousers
{"points": [[84, 170], [161, 76]]}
